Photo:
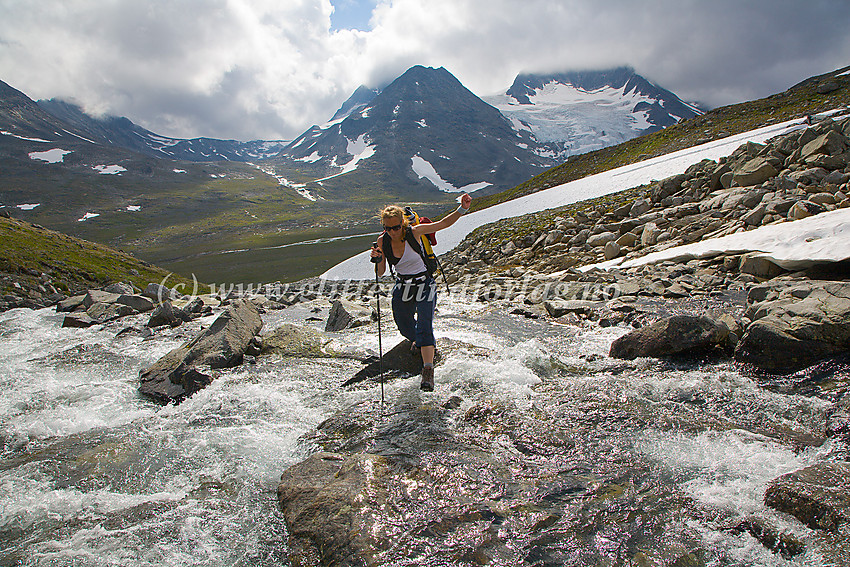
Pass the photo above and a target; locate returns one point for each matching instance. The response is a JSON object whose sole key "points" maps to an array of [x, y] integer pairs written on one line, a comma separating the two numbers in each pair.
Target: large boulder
{"points": [[679, 334], [340, 500], [182, 372], [754, 172], [818, 496], [138, 302], [99, 296], [167, 314], [347, 315], [105, 312], [830, 143], [223, 344], [800, 326], [401, 361]]}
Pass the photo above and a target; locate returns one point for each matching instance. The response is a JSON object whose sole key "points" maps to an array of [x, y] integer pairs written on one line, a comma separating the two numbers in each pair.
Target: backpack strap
{"points": [[390, 256]]}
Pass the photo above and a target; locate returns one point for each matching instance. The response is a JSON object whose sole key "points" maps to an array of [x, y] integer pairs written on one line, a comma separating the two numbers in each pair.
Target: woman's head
{"points": [[391, 217]]}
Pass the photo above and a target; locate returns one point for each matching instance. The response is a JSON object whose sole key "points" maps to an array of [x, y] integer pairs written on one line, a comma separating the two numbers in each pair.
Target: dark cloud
{"points": [[251, 69]]}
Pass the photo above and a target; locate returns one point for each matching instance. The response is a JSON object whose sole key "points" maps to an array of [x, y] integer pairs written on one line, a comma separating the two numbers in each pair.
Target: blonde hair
{"points": [[392, 212]]}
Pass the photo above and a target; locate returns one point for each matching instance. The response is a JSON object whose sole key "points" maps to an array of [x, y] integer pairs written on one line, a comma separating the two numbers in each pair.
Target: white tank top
{"points": [[410, 262]]}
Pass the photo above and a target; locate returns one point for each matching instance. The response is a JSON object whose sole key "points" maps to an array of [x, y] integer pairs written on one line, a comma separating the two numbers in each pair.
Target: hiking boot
{"points": [[427, 384]]}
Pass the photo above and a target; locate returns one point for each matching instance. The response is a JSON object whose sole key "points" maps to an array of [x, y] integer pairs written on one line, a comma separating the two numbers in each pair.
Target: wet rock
{"points": [[784, 543], [800, 327], [401, 361], [560, 307], [674, 335], [70, 304], [295, 340], [333, 503], [818, 496], [78, 321], [104, 312], [222, 345], [347, 315], [138, 302], [167, 314]]}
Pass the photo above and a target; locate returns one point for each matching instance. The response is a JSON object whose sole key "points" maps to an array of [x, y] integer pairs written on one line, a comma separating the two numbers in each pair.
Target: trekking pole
{"points": [[376, 261]]}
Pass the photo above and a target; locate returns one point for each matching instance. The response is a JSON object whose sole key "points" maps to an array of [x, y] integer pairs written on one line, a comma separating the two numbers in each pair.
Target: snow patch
{"points": [[5, 133], [88, 216], [29, 206], [314, 157], [134, 208], [424, 169], [422, 123], [474, 187], [78, 136], [50, 156], [109, 169], [179, 171], [793, 245], [300, 188]]}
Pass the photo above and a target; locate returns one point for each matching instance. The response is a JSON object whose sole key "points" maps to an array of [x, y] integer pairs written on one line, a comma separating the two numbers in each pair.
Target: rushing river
{"points": [[93, 474]]}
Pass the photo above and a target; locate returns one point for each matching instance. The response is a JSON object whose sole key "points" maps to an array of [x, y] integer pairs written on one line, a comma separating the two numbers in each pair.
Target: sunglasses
{"points": [[396, 227]]}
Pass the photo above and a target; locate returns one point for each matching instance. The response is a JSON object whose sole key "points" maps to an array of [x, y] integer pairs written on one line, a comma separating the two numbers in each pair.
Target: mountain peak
{"points": [[578, 111]]}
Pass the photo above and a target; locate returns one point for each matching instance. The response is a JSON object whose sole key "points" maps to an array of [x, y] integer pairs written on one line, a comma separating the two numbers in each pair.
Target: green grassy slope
{"points": [[70, 264]]}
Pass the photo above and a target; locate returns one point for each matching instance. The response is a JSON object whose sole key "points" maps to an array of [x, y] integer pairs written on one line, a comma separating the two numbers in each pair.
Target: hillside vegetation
{"points": [[37, 264]]}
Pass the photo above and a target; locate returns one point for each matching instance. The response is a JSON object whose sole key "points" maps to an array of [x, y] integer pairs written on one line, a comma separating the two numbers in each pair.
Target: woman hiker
{"points": [[415, 292]]}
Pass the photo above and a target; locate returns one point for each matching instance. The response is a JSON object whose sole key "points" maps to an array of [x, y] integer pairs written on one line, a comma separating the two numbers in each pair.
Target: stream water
{"points": [[93, 474]]}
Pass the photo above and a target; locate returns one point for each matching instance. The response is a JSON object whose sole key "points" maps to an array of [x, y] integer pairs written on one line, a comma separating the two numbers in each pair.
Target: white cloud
{"points": [[251, 69]]}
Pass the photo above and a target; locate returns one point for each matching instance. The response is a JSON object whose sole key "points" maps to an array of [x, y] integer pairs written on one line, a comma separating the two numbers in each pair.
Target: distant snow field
{"points": [[88, 216], [109, 169], [134, 208], [179, 171], [590, 119], [424, 169], [55, 155], [29, 207], [5, 133]]}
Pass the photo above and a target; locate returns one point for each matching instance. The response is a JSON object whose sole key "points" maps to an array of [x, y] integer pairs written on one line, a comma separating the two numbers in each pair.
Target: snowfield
{"points": [[592, 120], [786, 242], [109, 169], [55, 155]]}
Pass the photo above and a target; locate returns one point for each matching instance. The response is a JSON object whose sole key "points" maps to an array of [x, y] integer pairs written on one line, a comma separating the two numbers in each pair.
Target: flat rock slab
{"points": [[297, 341], [818, 496], [334, 502]]}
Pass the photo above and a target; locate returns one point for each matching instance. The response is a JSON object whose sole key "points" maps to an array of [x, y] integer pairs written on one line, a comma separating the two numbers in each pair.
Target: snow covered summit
{"points": [[577, 112]]}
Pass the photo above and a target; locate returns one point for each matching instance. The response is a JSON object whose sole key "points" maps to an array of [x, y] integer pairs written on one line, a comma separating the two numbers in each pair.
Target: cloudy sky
{"points": [[268, 69]]}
